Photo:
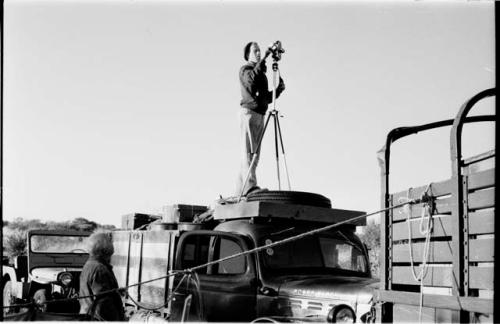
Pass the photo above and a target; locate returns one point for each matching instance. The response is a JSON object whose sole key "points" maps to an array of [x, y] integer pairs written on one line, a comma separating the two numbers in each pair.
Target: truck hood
{"points": [[327, 287], [49, 275]]}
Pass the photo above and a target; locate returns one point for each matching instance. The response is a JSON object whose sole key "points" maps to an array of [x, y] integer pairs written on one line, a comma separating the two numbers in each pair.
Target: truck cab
{"points": [[323, 277], [50, 271]]}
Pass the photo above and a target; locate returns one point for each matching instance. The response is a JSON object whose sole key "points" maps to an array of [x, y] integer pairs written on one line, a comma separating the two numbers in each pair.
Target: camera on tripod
{"points": [[276, 50]]}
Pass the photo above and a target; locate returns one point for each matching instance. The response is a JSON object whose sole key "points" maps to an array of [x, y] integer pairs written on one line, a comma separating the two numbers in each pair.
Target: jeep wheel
{"points": [[291, 197], [40, 299], [8, 298]]}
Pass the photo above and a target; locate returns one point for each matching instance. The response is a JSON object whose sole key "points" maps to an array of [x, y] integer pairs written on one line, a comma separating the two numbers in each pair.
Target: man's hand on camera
{"points": [[268, 52]]}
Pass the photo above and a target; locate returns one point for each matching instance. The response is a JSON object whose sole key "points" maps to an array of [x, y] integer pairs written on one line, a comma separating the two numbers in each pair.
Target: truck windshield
{"points": [[324, 253], [57, 244]]}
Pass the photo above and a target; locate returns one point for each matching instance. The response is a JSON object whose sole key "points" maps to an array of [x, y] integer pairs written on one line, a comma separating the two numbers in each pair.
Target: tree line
{"points": [[371, 237]]}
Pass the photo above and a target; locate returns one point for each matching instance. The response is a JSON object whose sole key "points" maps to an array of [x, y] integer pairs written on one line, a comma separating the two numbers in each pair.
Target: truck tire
{"points": [[8, 298], [264, 320], [291, 197], [40, 299]]}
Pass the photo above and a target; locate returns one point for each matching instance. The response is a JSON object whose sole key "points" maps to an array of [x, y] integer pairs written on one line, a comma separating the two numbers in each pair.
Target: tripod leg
{"points": [[283, 152], [276, 148], [254, 156]]}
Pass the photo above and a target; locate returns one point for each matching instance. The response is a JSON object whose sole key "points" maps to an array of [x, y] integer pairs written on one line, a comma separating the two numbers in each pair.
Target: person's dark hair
{"points": [[246, 51]]}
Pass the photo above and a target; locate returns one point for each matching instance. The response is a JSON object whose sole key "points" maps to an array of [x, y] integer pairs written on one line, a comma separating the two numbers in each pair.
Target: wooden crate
{"points": [[136, 220], [180, 213]]}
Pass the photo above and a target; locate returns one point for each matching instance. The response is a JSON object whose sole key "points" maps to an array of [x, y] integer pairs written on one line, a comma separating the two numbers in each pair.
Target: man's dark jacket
{"points": [[97, 276], [255, 94]]}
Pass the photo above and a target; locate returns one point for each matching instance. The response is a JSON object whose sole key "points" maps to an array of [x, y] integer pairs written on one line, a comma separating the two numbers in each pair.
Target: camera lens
{"points": [[276, 50]]}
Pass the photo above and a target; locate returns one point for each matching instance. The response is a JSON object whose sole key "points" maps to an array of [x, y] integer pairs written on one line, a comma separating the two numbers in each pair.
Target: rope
{"points": [[244, 253], [427, 232]]}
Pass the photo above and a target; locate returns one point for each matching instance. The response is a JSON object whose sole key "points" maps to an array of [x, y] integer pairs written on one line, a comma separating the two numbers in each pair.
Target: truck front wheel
{"points": [[8, 298], [40, 299], [265, 320]]}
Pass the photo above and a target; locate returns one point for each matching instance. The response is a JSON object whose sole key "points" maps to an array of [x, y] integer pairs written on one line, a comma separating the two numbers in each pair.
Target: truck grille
{"points": [[315, 306], [310, 305]]}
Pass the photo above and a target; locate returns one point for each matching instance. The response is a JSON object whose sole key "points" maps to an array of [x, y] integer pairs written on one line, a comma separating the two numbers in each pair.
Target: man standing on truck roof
{"points": [[255, 97], [97, 279]]}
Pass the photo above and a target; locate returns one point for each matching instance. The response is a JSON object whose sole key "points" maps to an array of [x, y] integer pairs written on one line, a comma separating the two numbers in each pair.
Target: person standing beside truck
{"points": [[97, 277], [255, 98]]}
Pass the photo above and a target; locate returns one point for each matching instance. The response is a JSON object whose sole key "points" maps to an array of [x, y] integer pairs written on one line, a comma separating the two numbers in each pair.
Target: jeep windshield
{"points": [[57, 244], [326, 253]]}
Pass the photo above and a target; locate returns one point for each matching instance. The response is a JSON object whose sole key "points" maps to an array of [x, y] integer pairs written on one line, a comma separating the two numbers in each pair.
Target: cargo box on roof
{"points": [[136, 220], [181, 213]]}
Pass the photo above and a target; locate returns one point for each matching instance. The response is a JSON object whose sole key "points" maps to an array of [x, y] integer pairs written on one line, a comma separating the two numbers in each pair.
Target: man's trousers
{"points": [[251, 127]]}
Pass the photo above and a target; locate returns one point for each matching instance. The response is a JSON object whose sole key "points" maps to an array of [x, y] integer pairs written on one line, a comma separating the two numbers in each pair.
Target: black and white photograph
{"points": [[248, 161]]}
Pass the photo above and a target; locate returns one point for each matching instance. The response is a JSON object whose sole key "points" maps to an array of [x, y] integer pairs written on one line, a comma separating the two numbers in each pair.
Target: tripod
{"points": [[277, 135]]}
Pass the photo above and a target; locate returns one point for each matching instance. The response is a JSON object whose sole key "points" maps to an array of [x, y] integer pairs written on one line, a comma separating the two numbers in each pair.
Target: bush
{"points": [[15, 243], [83, 224], [371, 237]]}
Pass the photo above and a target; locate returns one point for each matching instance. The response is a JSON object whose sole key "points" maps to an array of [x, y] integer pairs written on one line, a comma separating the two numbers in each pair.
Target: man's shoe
{"points": [[255, 190], [260, 190], [251, 190]]}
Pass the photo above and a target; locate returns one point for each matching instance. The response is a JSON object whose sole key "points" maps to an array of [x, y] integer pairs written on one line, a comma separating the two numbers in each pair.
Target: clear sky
{"points": [[115, 107]]}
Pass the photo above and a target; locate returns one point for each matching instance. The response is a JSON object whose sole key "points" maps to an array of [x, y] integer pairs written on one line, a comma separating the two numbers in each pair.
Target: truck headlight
{"points": [[65, 278], [341, 314]]}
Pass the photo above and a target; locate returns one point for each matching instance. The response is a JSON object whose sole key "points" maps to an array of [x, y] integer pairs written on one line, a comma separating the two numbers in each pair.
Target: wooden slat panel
{"points": [[482, 199], [443, 206], [436, 276], [471, 304], [482, 222], [441, 188], [478, 158], [411, 314], [440, 252], [442, 227], [482, 250], [481, 277], [482, 179]]}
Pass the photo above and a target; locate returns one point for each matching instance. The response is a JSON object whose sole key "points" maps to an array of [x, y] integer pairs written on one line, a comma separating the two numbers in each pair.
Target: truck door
{"points": [[227, 289]]}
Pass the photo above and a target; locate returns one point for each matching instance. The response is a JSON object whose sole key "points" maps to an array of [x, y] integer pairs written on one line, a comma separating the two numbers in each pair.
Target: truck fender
{"points": [[9, 273], [19, 289]]}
